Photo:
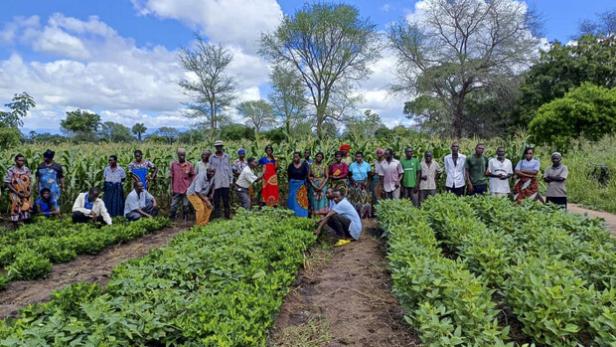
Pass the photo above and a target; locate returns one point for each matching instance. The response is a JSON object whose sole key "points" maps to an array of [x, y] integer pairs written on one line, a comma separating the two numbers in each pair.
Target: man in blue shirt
{"points": [[343, 219]]}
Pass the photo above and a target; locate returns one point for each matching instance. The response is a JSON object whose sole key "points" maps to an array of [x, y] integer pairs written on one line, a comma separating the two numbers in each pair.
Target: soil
{"points": [[610, 219], [85, 268], [352, 294]]}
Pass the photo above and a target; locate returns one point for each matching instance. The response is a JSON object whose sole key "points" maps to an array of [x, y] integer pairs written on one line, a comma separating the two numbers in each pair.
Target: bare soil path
{"points": [[344, 301], [610, 219], [88, 268]]}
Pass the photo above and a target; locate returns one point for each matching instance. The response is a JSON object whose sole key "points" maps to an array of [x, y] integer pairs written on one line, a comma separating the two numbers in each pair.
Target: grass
{"points": [[314, 333]]}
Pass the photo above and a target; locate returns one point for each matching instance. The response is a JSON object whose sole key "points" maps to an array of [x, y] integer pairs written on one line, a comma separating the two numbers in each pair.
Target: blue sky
{"points": [[119, 57]]}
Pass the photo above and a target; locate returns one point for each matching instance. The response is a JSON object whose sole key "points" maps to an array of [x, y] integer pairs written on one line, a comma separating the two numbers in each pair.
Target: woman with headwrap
{"points": [[345, 148], [269, 193], [50, 175], [18, 181], [338, 173]]}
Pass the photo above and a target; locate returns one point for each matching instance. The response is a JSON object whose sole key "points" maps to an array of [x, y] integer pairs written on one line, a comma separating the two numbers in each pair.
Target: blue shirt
{"points": [[528, 165], [345, 209], [359, 171]]}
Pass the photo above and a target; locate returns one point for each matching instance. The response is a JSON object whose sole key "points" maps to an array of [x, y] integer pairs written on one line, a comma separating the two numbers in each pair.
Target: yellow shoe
{"points": [[342, 242]]}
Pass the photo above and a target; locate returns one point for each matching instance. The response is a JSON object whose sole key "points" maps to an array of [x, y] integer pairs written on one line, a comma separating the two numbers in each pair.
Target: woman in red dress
{"points": [[270, 193]]}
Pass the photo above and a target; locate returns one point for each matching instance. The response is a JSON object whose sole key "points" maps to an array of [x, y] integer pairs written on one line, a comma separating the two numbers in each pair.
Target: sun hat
{"points": [[218, 143]]}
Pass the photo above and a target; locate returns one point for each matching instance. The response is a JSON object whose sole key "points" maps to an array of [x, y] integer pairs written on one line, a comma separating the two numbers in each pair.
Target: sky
{"points": [[119, 58]]}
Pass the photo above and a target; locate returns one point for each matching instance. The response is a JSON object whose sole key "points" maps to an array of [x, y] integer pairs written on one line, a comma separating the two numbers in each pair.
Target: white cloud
{"points": [[55, 41]]}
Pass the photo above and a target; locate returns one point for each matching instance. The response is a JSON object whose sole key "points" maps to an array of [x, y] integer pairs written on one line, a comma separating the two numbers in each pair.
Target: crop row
{"points": [[218, 285], [29, 252], [554, 270], [443, 300]]}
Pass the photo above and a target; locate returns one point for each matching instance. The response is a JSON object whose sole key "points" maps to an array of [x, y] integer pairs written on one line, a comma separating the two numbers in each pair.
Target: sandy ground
{"points": [[610, 219]]}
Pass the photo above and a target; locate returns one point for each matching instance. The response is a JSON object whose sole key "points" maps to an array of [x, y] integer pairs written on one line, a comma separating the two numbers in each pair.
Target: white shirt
{"points": [[455, 172], [98, 207], [497, 167], [390, 171], [246, 178]]}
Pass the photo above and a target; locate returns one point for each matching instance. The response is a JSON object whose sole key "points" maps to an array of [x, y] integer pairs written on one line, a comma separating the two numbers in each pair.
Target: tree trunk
{"points": [[320, 120], [458, 114]]}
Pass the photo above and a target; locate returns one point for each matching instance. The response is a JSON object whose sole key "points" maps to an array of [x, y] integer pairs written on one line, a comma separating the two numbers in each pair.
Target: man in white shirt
{"points": [[88, 207], [390, 173], [499, 171], [139, 204], [343, 219], [245, 180], [454, 169]]}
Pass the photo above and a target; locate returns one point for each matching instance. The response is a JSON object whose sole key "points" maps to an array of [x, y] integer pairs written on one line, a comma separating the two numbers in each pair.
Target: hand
{"points": [[397, 185], [470, 187], [415, 190], [424, 178]]}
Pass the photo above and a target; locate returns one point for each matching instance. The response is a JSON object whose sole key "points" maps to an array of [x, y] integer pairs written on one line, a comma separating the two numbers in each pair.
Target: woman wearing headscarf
{"points": [[338, 173], [526, 171], [270, 194], [318, 178], [50, 175], [345, 148], [297, 172], [18, 181], [113, 192]]}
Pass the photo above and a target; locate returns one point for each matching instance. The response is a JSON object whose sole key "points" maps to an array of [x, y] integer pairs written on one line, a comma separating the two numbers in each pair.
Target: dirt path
{"points": [[610, 219], [90, 268], [345, 301]]}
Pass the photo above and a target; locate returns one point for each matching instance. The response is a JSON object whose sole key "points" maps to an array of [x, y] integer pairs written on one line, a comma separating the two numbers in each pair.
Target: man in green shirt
{"points": [[475, 167], [410, 178]]}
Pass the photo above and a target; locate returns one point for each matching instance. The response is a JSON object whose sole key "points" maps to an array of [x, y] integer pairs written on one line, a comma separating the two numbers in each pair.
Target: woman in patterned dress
{"points": [[338, 173], [318, 178], [18, 181]]}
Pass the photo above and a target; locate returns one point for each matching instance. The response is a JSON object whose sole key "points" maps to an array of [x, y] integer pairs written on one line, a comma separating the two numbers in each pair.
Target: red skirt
{"points": [[270, 193]]}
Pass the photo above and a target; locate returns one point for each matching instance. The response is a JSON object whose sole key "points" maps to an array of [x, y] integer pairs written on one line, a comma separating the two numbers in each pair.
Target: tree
{"points": [[459, 47], [605, 26], [168, 134], [115, 132], [236, 132], [363, 127], [259, 114], [19, 108], [212, 88], [588, 111], [82, 125], [139, 129], [287, 97], [327, 44], [9, 137]]}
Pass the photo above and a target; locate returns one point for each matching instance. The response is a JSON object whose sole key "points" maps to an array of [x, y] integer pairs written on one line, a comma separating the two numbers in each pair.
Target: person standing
{"points": [[359, 195], [223, 178], [455, 170], [345, 148], [475, 170], [318, 177], [377, 191], [555, 176], [307, 159], [499, 171], [297, 173], [113, 192], [181, 173], [390, 173], [88, 207], [270, 194], [243, 183], [338, 173], [140, 170], [139, 204], [410, 179], [18, 181], [343, 219], [430, 170], [50, 175], [527, 170], [203, 164], [199, 194], [240, 163]]}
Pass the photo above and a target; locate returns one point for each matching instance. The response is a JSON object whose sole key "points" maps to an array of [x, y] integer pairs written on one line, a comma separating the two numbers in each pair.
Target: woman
{"points": [[18, 181], [140, 170], [526, 170], [113, 193], [50, 175], [338, 173], [269, 193], [297, 173], [45, 205], [375, 184], [345, 148], [359, 195], [318, 178]]}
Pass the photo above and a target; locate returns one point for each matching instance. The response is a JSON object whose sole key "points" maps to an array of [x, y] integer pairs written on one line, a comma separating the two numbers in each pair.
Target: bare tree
{"points": [[287, 97], [327, 44], [211, 87], [259, 113], [604, 26], [454, 48]]}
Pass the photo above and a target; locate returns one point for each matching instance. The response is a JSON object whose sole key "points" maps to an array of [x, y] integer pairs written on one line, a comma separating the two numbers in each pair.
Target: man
{"points": [[343, 219], [412, 168], [390, 173], [245, 180], [329, 194], [430, 170], [50, 175], [181, 173], [199, 196], [307, 159], [240, 163], [223, 178], [475, 170], [140, 204], [555, 176], [454, 169], [375, 184], [500, 171], [88, 207], [140, 169], [203, 164]]}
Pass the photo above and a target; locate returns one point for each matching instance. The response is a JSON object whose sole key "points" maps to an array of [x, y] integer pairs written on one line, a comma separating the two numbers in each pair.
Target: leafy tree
{"points": [[115, 132], [19, 108], [49, 138], [588, 111], [82, 125], [168, 134], [212, 88], [139, 129], [259, 114], [287, 97], [327, 44], [458, 48], [192, 136], [236, 132], [9, 137], [363, 127]]}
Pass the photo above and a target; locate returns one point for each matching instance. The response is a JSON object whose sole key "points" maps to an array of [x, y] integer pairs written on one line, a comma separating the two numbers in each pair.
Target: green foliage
{"points": [[139, 129], [19, 107], [81, 124], [259, 114], [28, 265], [588, 111], [115, 132], [9, 138]]}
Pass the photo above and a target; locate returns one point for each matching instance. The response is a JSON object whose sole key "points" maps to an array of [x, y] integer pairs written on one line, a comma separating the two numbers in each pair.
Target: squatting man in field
{"points": [[140, 204], [200, 196], [343, 219], [88, 207]]}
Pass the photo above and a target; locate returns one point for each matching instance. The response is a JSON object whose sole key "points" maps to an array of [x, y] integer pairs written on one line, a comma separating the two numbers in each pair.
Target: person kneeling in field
{"points": [[139, 203], [343, 219], [88, 207], [45, 205], [199, 193]]}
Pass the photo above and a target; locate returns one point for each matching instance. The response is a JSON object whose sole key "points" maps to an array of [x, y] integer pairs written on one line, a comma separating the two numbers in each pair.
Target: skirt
{"points": [[113, 196], [318, 199], [298, 197]]}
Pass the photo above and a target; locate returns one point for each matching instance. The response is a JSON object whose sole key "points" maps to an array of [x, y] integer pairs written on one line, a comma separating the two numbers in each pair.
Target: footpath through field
{"points": [[343, 298], [85, 268], [610, 219]]}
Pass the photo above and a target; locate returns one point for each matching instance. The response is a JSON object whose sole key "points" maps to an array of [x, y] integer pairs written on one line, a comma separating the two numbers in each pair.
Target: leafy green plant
{"points": [[29, 265]]}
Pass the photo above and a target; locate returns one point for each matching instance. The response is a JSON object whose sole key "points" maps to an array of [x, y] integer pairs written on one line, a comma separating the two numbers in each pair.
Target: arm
{"points": [[323, 221], [77, 206], [104, 213], [205, 199]]}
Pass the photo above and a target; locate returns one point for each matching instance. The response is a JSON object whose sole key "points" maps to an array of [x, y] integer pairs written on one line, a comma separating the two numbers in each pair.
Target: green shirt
{"points": [[410, 167], [477, 169]]}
